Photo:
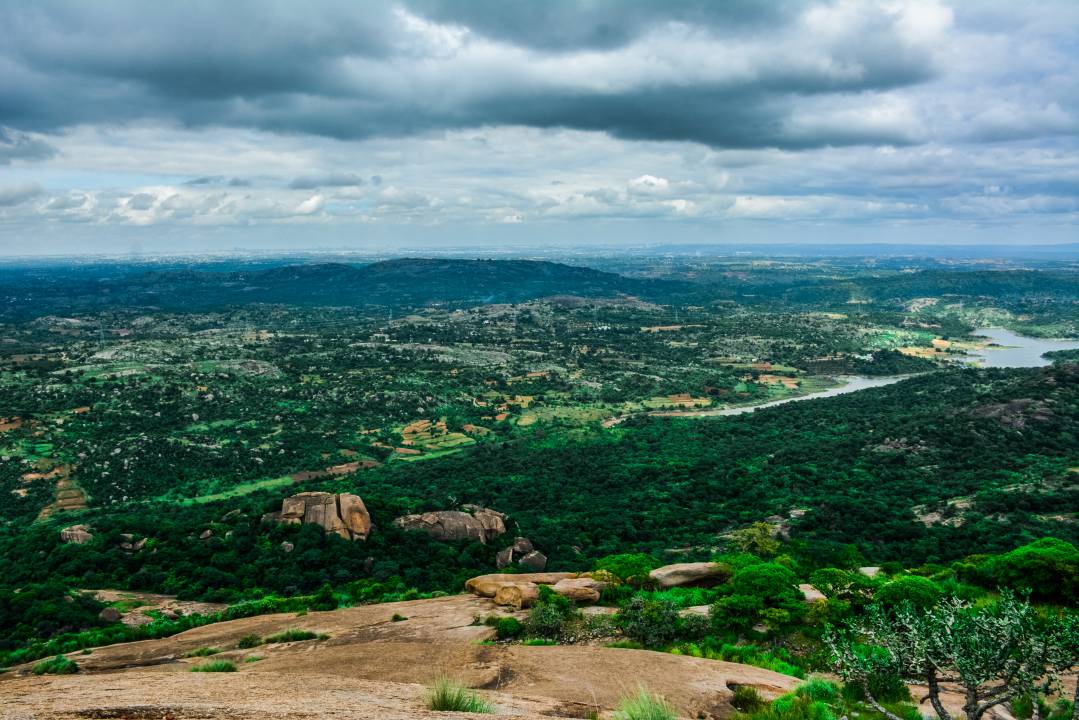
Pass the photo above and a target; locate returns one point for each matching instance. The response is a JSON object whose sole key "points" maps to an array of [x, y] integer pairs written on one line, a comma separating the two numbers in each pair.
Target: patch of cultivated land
{"points": [[371, 667]]}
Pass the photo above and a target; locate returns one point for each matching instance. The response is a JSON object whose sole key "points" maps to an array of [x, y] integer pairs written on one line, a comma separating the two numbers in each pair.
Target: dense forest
{"points": [[589, 414]]}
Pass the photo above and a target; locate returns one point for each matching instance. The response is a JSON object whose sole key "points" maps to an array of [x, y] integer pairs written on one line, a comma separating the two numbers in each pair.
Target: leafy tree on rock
{"points": [[995, 654]]}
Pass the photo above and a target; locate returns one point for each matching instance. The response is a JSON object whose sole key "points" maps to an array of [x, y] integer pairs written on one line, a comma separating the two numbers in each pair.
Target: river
{"points": [[1009, 350]]}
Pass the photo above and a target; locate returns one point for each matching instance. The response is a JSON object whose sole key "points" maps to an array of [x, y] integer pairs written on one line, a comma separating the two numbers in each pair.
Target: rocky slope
{"points": [[371, 667]]}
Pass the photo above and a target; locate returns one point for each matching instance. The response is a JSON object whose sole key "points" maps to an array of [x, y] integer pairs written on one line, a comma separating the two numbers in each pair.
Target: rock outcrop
{"points": [[78, 534], [703, 574], [488, 585], [520, 591], [344, 514], [470, 523], [522, 552], [811, 594]]}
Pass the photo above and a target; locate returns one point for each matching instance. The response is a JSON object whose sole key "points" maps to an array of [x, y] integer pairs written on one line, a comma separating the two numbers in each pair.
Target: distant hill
{"points": [[403, 282]]}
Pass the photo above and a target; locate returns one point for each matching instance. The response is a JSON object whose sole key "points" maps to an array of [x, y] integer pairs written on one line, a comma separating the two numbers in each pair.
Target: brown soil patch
{"points": [[371, 667], [69, 496], [11, 423]]}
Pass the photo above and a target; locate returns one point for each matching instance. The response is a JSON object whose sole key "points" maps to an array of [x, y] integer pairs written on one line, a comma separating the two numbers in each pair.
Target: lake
{"points": [[1016, 350]]}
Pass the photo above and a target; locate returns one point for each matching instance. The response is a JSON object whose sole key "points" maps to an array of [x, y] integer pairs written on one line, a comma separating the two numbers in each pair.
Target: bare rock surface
{"points": [[700, 574], [470, 523], [78, 534], [371, 668], [343, 514]]}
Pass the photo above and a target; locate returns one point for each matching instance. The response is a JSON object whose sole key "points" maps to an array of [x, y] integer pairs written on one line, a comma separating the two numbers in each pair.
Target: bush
{"points": [[1049, 568], [215, 666], [653, 623], [644, 706], [203, 652], [630, 568], [249, 641], [397, 617], [508, 628], [58, 665], [747, 699], [549, 616], [918, 591], [291, 635], [447, 695]]}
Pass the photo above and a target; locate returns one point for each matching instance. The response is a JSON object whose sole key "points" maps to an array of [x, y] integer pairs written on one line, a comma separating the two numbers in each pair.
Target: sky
{"points": [[275, 124]]}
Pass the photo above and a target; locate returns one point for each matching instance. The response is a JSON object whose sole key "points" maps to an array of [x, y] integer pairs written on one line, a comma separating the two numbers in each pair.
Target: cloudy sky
{"points": [[174, 127]]}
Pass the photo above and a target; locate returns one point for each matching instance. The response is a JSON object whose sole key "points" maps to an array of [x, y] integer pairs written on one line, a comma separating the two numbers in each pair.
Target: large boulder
{"points": [[702, 574], [343, 514], [534, 561], [78, 534], [470, 523], [488, 585], [518, 597], [811, 594], [521, 595]]}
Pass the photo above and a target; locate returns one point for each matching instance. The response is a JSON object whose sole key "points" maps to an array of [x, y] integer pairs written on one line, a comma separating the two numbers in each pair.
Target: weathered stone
{"points": [[480, 524], [344, 514], [869, 571], [78, 534], [583, 590], [522, 546], [811, 594], [287, 546], [206, 534], [488, 585], [518, 597], [534, 561], [504, 558], [110, 614], [701, 574], [139, 545]]}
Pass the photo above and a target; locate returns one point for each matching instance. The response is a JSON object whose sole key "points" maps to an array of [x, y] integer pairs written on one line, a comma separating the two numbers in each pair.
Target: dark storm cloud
{"points": [[728, 74], [15, 145]]}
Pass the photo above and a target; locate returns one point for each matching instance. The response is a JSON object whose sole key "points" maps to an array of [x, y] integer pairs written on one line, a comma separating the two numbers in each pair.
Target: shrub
{"points": [[630, 568], [653, 623], [252, 658], [203, 652], [397, 617], [918, 591], [747, 699], [215, 666], [447, 695], [249, 641], [508, 628], [549, 615], [58, 665], [290, 635], [644, 706], [1049, 568], [324, 599]]}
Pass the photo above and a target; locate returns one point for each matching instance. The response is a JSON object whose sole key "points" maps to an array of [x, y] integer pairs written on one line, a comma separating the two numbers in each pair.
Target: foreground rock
{"points": [[344, 514], [701, 574], [470, 523], [488, 585], [78, 534], [371, 669]]}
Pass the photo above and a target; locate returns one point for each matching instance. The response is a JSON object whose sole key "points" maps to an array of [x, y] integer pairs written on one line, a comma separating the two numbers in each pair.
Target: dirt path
{"points": [[371, 667]]}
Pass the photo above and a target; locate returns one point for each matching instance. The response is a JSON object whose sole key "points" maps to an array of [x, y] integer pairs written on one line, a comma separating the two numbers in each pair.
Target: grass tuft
{"points": [[447, 695], [291, 635], [249, 641], [203, 652], [215, 666], [58, 665], [644, 706]]}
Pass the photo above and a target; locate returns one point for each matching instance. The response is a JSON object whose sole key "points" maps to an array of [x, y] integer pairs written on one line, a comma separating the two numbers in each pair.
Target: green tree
{"points": [[995, 654]]}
